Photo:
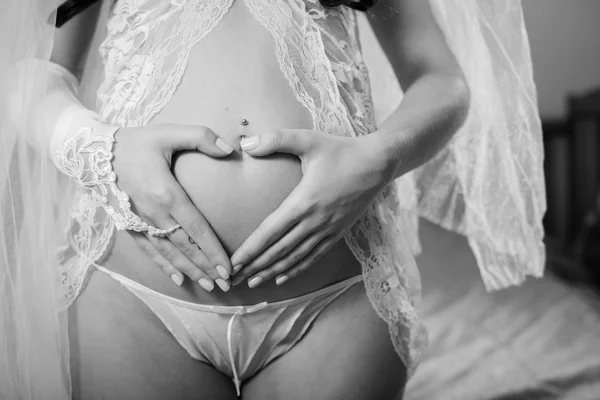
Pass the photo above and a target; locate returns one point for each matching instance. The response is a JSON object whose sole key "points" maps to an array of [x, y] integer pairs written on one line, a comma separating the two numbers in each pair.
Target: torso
{"points": [[232, 74]]}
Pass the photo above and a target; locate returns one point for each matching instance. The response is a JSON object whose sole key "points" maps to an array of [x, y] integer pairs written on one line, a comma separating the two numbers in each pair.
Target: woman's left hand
{"points": [[341, 176]]}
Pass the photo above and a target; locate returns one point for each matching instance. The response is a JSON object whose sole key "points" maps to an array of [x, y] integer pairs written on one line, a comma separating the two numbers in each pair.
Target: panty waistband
{"points": [[241, 309]]}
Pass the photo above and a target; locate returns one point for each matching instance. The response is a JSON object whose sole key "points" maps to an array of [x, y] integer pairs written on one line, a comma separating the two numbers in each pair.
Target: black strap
{"points": [[71, 8]]}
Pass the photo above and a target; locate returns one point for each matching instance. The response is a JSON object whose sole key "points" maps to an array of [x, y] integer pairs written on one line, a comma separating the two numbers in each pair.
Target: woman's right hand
{"points": [[142, 163]]}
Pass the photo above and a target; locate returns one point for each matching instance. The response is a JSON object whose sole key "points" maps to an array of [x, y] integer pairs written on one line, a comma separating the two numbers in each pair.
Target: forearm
{"points": [[80, 144], [433, 109]]}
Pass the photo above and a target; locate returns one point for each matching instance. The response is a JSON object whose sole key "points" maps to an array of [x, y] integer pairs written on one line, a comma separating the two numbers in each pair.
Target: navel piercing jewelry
{"points": [[243, 123]]}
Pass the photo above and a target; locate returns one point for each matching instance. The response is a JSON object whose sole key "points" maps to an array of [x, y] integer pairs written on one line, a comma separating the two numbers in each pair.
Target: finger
{"points": [[172, 254], [195, 137], [194, 253], [278, 223], [181, 240], [317, 252], [148, 248], [292, 141], [172, 198], [198, 228], [281, 248], [296, 255]]}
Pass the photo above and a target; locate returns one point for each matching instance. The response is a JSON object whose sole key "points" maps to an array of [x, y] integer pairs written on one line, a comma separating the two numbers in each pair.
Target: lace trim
{"points": [[89, 234], [393, 290], [297, 33], [145, 55], [151, 77], [86, 158]]}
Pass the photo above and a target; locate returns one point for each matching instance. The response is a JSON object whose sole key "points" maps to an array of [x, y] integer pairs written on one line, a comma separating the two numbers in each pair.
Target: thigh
{"points": [[347, 354], [121, 350]]}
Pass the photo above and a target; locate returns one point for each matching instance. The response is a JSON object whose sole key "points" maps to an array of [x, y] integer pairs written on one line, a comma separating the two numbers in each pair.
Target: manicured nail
{"points": [[281, 279], [206, 284], [222, 272], [254, 282], [222, 284], [177, 279], [237, 268], [249, 143], [226, 147]]}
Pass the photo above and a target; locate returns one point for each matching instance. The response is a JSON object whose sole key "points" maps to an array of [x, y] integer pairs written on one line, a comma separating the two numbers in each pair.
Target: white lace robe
{"points": [[145, 55]]}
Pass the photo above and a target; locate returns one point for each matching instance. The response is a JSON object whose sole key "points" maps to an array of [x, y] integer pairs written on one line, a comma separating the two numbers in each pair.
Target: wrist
{"points": [[382, 157], [75, 117]]}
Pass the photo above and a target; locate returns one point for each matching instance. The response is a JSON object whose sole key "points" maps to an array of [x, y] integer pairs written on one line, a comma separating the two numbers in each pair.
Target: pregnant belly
{"points": [[236, 194], [222, 86]]}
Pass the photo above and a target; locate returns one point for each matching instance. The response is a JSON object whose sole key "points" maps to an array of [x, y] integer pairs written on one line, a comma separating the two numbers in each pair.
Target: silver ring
{"points": [[152, 231]]}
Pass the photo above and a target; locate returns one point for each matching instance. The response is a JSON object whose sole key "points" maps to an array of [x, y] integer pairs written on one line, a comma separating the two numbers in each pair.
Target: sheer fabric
{"points": [[145, 53], [145, 56], [488, 183], [34, 198]]}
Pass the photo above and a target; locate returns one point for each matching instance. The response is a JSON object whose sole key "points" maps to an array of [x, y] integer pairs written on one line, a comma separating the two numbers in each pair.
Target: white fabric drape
{"points": [[33, 335], [487, 184]]}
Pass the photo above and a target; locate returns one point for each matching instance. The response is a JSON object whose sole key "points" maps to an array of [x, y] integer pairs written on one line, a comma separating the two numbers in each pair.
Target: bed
{"points": [[537, 341]]}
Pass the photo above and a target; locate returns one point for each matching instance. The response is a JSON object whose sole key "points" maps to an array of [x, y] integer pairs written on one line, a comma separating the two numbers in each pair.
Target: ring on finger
{"points": [[152, 231]]}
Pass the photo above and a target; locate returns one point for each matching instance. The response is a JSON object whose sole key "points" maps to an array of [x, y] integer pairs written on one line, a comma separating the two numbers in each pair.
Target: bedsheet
{"points": [[540, 340]]}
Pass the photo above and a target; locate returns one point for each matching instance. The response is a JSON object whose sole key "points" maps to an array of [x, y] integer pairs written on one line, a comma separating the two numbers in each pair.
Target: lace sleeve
{"points": [[85, 156], [82, 148]]}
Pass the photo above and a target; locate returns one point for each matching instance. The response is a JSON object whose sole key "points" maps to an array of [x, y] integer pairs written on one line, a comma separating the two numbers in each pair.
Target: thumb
{"points": [[196, 137], [292, 141]]}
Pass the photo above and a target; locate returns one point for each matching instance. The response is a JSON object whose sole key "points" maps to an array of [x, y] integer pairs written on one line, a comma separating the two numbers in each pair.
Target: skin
{"points": [[361, 362], [164, 204], [320, 210], [323, 207]]}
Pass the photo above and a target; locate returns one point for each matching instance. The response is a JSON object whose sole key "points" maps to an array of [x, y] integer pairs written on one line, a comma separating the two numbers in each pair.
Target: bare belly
{"points": [[233, 74]]}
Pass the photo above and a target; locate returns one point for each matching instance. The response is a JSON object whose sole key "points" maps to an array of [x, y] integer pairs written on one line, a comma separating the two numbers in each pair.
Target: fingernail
{"points": [[257, 280], [222, 272], [281, 279], [237, 268], [249, 143], [206, 284], [222, 284], [226, 147], [177, 279]]}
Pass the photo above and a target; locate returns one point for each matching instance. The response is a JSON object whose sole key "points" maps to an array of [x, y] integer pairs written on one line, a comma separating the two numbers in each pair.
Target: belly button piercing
{"points": [[243, 123]]}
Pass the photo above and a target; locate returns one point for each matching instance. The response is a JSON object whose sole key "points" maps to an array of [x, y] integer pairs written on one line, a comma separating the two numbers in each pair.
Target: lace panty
{"points": [[237, 340]]}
